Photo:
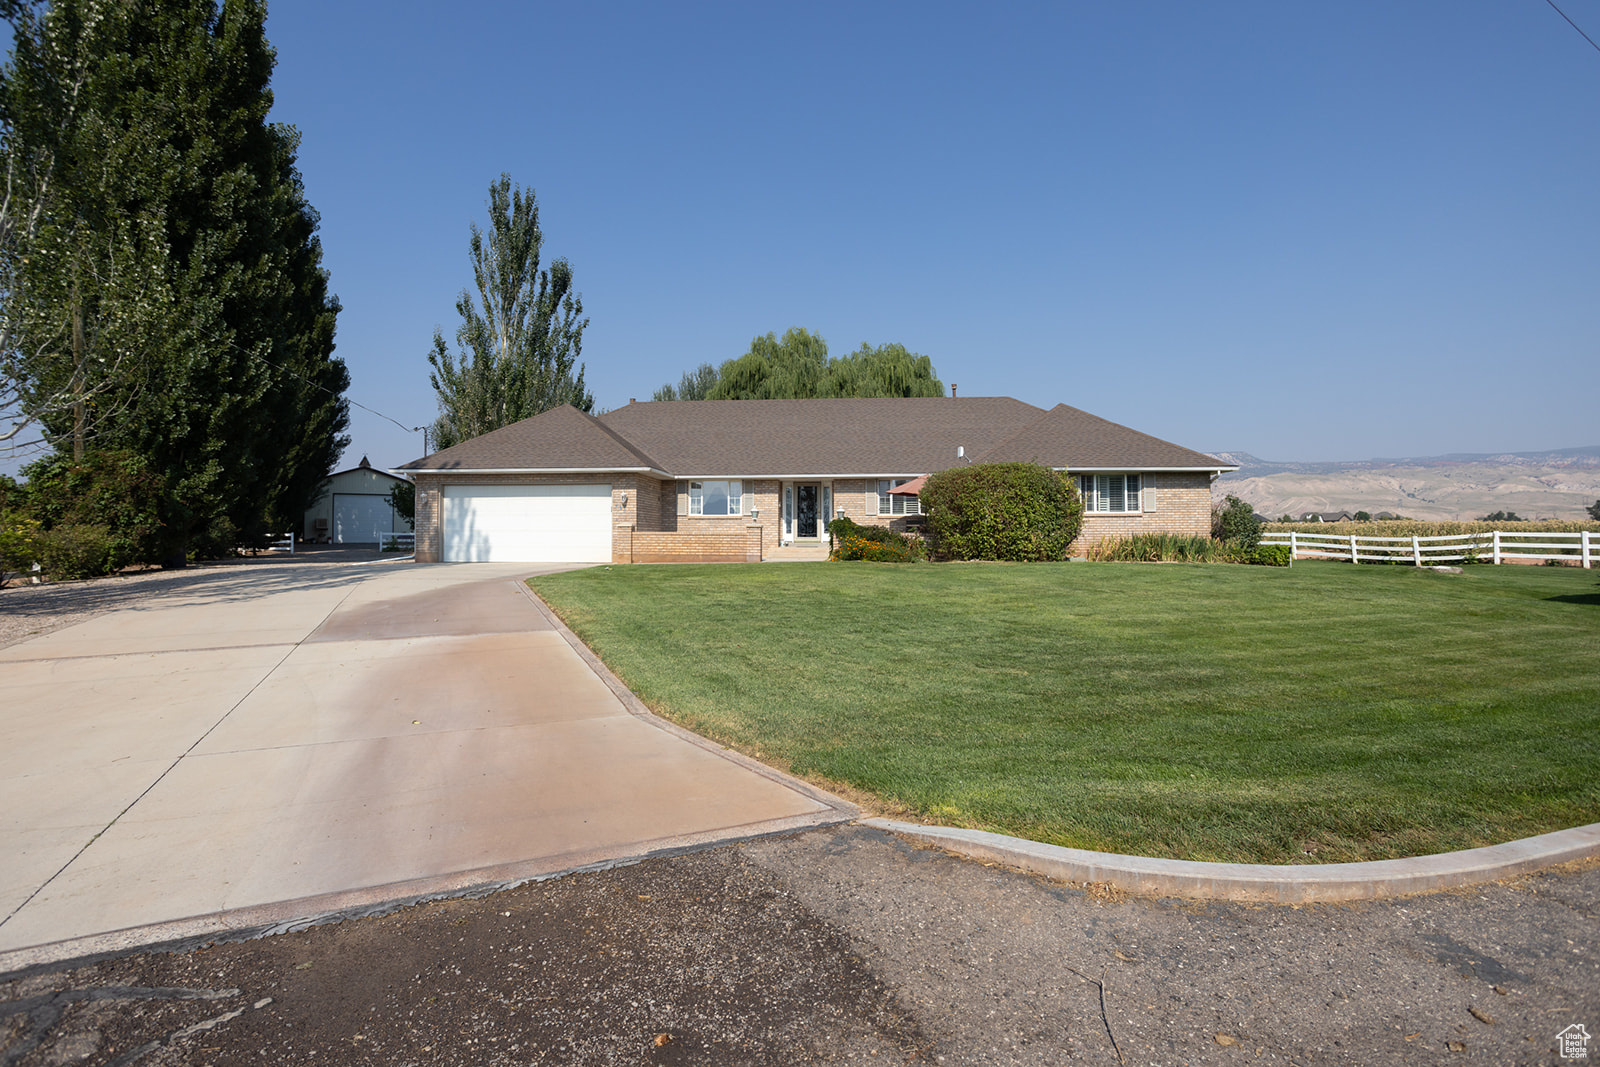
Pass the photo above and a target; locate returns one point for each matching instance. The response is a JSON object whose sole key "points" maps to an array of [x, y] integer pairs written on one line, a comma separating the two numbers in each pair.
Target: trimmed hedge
{"points": [[1002, 511]]}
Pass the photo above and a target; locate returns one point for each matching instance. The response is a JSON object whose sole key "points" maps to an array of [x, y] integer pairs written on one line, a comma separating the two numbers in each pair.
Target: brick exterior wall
{"points": [[1174, 502], [721, 546], [760, 495], [654, 525]]}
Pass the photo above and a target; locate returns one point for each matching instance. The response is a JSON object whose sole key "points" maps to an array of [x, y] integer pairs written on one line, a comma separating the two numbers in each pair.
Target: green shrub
{"points": [[112, 491], [19, 544], [877, 544], [1270, 555], [857, 548], [75, 551], [843, 527], [1002, 511], [1236, 523]]}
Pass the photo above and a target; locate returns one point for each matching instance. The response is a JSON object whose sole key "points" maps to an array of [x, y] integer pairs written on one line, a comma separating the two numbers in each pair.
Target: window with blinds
{"points": [[1111, 493]]}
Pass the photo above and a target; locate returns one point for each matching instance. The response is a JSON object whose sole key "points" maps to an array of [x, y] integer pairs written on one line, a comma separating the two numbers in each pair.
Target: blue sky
{"points": [[1315, 232]]}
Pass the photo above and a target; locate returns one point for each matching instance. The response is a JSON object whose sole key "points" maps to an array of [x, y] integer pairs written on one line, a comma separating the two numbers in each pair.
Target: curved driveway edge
{"points": [[286, 746], [840, 810], [1272, 883]]}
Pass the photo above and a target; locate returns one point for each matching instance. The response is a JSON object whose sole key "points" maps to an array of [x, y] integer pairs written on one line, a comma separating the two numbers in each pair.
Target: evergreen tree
{"points": [[519, 341], [186, 279]]}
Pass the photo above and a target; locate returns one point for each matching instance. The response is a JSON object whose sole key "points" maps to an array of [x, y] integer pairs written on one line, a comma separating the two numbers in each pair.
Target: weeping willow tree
{"points": [[520, 337], [797, 366]]}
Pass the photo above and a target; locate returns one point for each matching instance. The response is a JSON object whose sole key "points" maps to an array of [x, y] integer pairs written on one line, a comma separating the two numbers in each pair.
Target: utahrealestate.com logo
{"points": [[1574, 1042]]}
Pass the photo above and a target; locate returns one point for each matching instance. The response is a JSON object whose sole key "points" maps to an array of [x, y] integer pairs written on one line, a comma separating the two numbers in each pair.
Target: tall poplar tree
{"points": [[519, 340], [187, 272]]}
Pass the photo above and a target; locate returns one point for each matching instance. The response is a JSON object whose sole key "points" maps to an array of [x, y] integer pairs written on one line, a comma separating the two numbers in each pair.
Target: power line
{"points": [[285, 370], [314, 384], [1574, 25]]}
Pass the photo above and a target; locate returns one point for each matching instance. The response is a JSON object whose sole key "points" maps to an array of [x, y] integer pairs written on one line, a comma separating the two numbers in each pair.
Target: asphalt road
{"points": [[847, 945]]}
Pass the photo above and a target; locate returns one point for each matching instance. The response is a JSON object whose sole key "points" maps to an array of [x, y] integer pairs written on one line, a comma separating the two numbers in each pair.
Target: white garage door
{"points": [[526, 523], [361, 518]]}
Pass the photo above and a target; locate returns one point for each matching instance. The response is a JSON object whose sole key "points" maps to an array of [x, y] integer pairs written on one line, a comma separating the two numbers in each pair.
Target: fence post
{"points": [[1586, 550], [1294, 548], [1497, 546], [1416, 551], [1354, 557]]}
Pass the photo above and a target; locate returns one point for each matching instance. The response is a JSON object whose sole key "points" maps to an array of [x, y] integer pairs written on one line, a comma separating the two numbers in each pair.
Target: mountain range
{"points": [[1557, 484]]}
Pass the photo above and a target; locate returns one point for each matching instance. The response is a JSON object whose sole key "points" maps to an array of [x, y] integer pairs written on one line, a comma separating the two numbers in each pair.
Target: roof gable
{"points": [[562, 438], [1066, 437], [364, 470]]}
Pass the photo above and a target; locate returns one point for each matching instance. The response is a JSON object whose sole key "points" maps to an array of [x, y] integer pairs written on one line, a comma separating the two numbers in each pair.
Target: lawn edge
{"points": [[837, 809], [1260, 882]]}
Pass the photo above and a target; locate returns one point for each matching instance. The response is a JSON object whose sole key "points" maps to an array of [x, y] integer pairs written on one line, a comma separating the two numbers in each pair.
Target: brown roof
{"points": [[1067, 437], [831, 437], [562, 438], [775, 438]]}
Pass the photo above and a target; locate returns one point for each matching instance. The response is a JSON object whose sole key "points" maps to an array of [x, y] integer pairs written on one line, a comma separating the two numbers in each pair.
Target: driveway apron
{"points": [[279, 740]]}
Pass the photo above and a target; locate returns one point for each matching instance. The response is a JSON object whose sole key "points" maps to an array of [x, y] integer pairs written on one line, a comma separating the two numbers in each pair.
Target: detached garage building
{"points": [[353, 508]]}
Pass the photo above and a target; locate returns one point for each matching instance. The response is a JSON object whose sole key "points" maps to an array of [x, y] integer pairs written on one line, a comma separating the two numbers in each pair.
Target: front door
{"points": [[805, 508]]}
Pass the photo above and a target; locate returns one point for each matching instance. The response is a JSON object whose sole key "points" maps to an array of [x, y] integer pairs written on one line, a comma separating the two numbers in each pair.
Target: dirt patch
{"points": [[848, 945]]}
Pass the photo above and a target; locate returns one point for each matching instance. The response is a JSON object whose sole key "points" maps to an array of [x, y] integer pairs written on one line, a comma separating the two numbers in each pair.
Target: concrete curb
{"points": [[1273, 883], [288, 916]]}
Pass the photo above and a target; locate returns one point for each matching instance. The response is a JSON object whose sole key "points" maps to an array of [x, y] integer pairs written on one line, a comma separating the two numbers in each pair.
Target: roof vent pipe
{"points": [[952, 390]]}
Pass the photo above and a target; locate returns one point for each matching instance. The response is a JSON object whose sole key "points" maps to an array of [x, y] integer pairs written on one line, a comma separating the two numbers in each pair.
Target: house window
{"points": [[896, 503], [716, 498], [1110, 493]]}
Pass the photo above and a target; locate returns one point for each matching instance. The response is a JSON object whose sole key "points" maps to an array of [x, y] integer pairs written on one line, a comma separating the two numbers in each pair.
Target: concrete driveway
{"points": [[285, 741]]}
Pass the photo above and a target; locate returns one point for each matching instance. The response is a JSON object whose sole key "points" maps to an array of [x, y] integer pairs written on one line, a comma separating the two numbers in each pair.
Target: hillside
{"points": [[1536, 485]]}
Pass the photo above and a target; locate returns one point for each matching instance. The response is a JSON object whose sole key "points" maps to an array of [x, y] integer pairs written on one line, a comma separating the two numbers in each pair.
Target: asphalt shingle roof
{"points": [[1067, 437], [795, 438], [775, 438], [562, 438]]}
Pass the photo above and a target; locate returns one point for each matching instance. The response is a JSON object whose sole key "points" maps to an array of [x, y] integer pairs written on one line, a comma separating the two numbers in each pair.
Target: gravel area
{"points": [[847, 945], [28, 610]]}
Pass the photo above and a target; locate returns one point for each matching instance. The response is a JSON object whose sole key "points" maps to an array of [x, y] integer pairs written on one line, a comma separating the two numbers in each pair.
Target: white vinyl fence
{"points": [[1495, 546]]}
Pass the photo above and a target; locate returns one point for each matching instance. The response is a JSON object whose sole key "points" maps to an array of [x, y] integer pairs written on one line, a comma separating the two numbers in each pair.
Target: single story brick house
{"points": [[714, 480]]}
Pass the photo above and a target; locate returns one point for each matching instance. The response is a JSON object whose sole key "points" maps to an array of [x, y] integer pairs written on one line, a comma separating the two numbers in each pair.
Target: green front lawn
{"points": [[1323, 713]]}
